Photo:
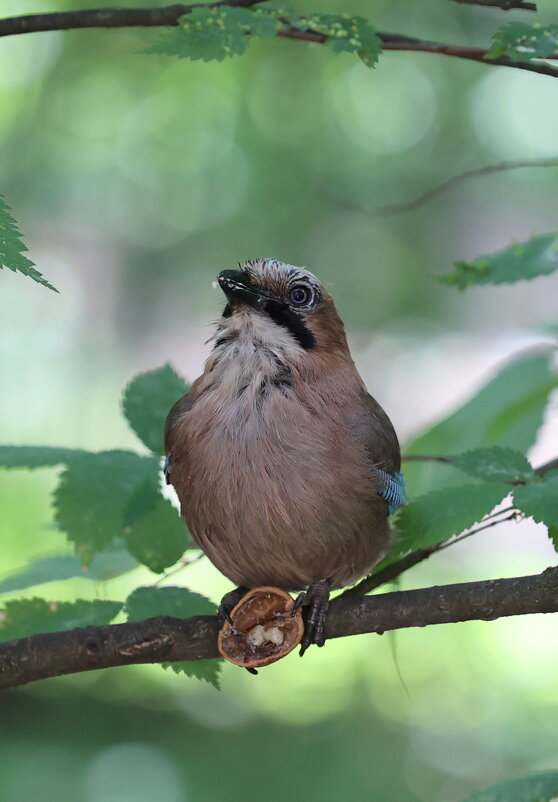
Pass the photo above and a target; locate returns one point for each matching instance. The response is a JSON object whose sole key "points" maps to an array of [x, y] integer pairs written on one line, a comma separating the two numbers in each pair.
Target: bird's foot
{"points": [[316, 599], [229, 602]]}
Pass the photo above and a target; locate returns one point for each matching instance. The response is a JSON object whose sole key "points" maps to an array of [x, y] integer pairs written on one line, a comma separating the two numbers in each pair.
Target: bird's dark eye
{"points": [[300, 295]]}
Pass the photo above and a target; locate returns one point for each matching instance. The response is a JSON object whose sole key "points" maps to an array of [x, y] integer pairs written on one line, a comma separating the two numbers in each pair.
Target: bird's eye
{"points": [[300, 295]]}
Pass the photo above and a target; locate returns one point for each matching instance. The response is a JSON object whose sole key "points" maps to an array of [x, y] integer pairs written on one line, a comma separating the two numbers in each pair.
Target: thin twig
{"points": [[551, 465], [184, 563], [426, 458], [504, 5], [395, 569], [409, 206]]}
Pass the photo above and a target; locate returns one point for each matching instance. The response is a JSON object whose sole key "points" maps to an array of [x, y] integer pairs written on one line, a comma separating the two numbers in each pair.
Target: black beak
{"points": [[240, 290]]}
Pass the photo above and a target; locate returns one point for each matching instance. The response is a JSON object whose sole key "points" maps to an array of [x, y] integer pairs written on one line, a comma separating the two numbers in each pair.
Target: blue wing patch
{"points": [[394, 491]]}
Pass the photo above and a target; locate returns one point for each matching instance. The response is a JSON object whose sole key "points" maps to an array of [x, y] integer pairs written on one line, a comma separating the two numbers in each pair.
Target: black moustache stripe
{"points": [[290, 320]]}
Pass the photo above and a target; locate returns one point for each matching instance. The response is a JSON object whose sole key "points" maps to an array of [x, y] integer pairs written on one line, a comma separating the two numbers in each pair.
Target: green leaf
{"points": [[495, 465], [345, 34], [215, 32], [521, 42], [211, 33], [147, 401], [12, 248], [154, 532], [208, 670], [93, 494], [149, 602], [542, 787], [57, 567], [553, 535], [24, 617], [540, 501], [435, 517], [36, 456], [520, 262], [507, 411]]}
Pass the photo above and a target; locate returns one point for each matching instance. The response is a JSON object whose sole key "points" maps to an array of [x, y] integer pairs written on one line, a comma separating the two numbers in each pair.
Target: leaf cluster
{"points": [[521, 42], [111, 507], [216, 32]]}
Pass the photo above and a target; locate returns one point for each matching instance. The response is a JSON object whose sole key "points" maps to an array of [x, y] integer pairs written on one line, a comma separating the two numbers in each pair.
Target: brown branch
{"points": [[169, 15], [168, 639], [504, 5], [394, 41], [106, 18]]}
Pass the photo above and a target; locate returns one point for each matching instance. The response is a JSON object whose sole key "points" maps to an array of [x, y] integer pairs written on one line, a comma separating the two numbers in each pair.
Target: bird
{"points": [[285, 467]]}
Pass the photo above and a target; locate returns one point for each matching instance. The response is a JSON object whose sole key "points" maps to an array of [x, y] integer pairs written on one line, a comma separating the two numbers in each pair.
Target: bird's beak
{"points": [[239, 289]]}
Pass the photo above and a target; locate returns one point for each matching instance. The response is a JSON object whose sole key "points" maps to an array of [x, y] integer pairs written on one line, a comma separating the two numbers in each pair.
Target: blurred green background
{"points": [[135, 179]]}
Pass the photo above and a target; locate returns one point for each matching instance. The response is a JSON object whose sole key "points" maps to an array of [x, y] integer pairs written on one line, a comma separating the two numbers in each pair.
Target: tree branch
{"points": [[168, 639], [169, 15], [106, 18], [505, 5]]}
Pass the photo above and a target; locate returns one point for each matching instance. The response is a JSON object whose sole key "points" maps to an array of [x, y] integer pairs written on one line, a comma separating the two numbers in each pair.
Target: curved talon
{"points": [[317, 600], [229, 601]]}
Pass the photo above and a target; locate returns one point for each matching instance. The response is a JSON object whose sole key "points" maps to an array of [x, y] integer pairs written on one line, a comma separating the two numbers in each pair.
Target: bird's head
{"points": [[283, 302]]}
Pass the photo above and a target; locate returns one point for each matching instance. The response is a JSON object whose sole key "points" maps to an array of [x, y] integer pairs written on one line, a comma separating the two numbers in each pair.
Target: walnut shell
{"points": [[264, 628]]}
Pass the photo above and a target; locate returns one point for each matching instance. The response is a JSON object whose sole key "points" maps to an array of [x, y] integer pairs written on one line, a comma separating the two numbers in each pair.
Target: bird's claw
{"points": [[316, 599], [229, 602]]}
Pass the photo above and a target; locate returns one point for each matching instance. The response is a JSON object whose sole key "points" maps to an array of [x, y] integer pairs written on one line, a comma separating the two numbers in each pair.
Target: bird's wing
{"points": [[182, 406], [382, 446], [394, 490]]}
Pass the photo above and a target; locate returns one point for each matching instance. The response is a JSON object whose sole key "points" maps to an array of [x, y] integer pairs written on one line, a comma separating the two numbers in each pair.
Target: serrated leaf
{"points": [[57, 567], [93, 494], [147, 401], [521, 42], [211, 33], [542, 787], [437, 516], [12, 248], [346, 34], [24, 617], [266, 21], [215, 32], [36, 456], [522, 261], [149, 602], [495, 465], [208, 670], [506, 411], [540, 501], [154, 532]]}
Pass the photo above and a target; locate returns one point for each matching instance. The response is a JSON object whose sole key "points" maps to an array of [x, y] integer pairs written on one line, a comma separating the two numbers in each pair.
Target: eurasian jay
{"points": [[285, 467]]}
